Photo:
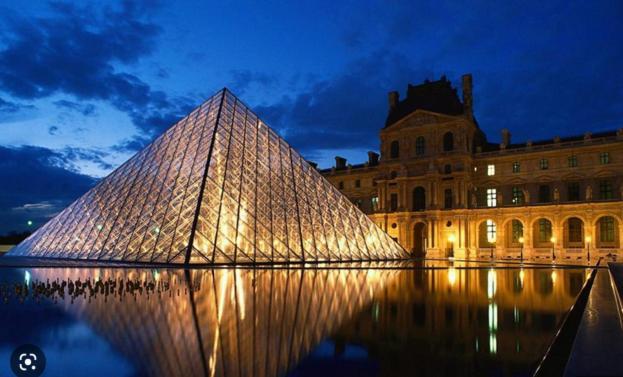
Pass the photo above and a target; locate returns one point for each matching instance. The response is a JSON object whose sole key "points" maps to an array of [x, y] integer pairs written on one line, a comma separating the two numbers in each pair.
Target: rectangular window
{"points": [[516, 167], [573, 192], [605, 190], [545, 230], [492, 197], [447, 198], [572, 161], [393, 202], [357, 183], [358, 203], [491, 231], [604, 158], [517, 196], [341, 185], [544, 196], [517, 231], [374, 203], [575, 230], [490, 170], [543, 164], [606, 229]]}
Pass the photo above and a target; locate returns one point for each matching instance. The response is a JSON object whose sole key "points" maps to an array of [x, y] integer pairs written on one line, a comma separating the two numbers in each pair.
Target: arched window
{"points": [[420, 146], [575, 230], [542, 233], [605, 227], [448, 141], [487, 234], [394, 149], [419, 199]]}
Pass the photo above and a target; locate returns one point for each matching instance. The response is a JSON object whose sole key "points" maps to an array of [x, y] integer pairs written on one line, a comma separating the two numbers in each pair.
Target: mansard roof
{"points": [[436, 96]]}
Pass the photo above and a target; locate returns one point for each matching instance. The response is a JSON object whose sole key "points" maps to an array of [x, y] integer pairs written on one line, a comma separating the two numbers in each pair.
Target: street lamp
{"points": [[451, 240], [588, 247], [553, 241], [521, 253]]}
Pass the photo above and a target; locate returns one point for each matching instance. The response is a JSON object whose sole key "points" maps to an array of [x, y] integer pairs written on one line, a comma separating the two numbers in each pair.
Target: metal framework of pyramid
{"points": [[218, 187]]}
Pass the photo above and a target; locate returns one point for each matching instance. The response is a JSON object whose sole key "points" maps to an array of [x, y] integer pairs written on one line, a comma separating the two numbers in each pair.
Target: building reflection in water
{"points": [[238, 322], [464, 321], [441, 320]]}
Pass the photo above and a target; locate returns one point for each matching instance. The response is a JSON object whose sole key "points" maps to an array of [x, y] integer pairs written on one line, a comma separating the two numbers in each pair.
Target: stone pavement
{"points": [[598, 345]]}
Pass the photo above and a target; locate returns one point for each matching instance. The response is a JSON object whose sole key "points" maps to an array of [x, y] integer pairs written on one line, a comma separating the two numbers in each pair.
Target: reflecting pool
{"points": [[437, 318]]}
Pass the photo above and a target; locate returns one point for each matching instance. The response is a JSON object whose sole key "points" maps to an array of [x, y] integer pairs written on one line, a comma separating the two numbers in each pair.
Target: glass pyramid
{"points": [[218, 187]]}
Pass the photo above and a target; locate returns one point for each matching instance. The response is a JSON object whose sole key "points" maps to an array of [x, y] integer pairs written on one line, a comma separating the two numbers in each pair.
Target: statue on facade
{"points": [[500, 199], [475, 200], [589, 192], [556, 195], [526, 196]]}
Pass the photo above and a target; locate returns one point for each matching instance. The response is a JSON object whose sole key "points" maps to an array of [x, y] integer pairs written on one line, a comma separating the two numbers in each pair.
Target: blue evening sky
{"points": [[84, 85]]}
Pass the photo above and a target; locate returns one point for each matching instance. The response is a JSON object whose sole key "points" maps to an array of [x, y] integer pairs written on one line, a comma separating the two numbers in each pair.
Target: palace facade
{"points": [[441, 189]]}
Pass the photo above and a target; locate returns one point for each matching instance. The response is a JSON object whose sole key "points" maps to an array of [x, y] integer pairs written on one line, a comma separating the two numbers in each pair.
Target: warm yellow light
{"points": [[451, 276], [553, 239], [451, 237], [520, 239], [554, 277], [588, 238]]}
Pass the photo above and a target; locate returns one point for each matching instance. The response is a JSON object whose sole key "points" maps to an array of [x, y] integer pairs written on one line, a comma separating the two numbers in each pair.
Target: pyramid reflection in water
{"points": [[259, 322], [219, 187]]}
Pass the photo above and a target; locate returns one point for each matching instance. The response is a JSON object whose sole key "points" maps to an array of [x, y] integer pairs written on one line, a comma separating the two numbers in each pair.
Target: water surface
{"points": [[437, 318]]}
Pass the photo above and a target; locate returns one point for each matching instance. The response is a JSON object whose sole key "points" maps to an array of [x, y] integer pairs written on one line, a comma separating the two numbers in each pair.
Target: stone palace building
{"points": [[441, 189]]}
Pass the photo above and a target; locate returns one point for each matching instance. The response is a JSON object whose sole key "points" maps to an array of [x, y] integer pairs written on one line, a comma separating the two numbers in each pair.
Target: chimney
{"points": [[393, 99], [467, 96], [373, 158], [340, 162], [506, 138]]}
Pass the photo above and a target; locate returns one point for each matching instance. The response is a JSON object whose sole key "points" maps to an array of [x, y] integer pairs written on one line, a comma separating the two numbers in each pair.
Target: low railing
{"points": [[555, 359]]}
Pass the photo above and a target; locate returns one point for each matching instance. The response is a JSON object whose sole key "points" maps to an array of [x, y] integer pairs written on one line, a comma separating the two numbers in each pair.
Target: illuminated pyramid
{"points": [[219, 187]]}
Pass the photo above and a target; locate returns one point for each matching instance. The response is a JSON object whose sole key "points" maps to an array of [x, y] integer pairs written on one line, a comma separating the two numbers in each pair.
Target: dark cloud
{"points": [[346, 111], [76, 51], [131, 145], [12, 107], [53, 130], [36, 184], [85, 109], [69, 156], [243, 79]]}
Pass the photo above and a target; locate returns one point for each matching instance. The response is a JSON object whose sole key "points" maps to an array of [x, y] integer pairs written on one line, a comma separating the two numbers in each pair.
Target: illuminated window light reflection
{"points": [[493, 344], [522, 275], [491, 284], [493, 317], [27, 277]]}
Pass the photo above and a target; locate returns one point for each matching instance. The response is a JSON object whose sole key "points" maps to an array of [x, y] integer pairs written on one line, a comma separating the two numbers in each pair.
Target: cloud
{"points": [[344, 111], [69, 156], [12, 107], [35, 184], [243, 79], [86, 109], [77, 51]]}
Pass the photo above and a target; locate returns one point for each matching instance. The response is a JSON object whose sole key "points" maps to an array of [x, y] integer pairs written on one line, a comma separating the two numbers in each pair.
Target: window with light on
{"points": [[490, 170]]}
